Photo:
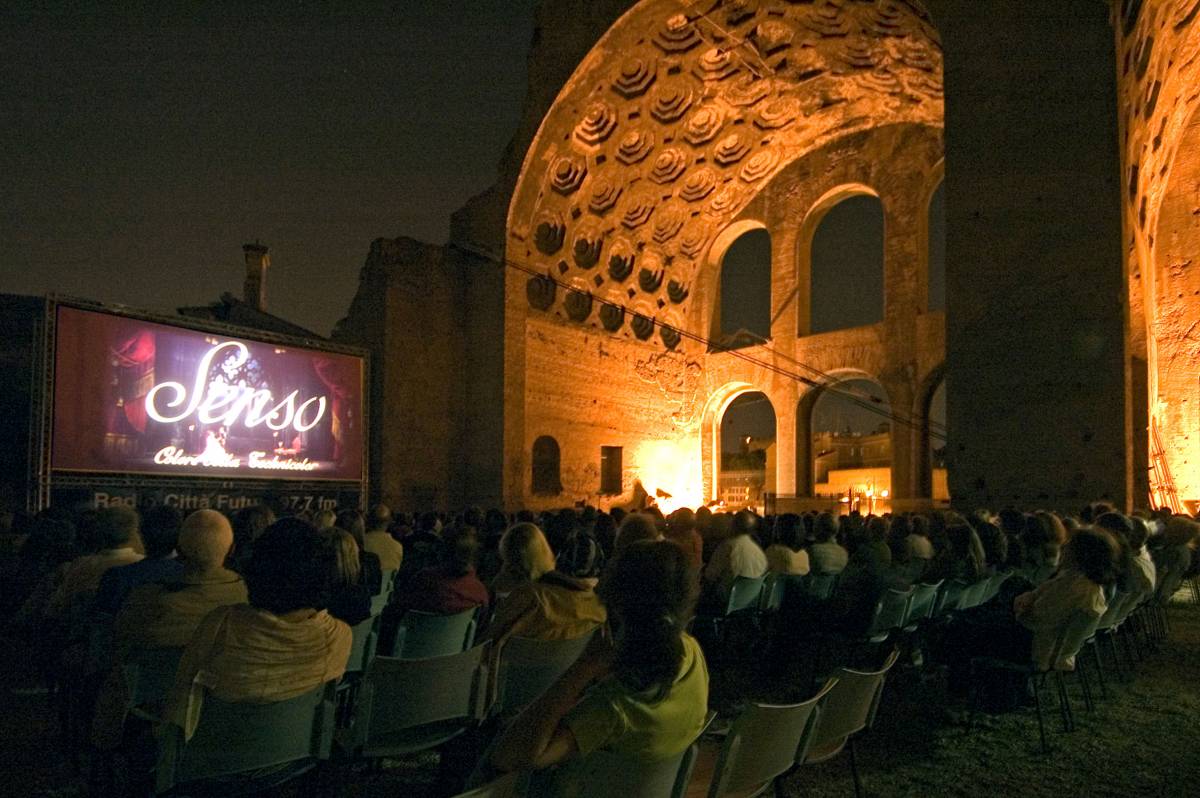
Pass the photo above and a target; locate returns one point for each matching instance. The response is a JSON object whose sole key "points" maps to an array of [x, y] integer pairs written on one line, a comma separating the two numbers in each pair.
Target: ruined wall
{"points": [[1036, 363], [408, 313], [1158, 46]]}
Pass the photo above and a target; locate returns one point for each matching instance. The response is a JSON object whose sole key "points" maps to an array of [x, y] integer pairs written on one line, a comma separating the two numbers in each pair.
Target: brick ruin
{"points": [[656, 133]]}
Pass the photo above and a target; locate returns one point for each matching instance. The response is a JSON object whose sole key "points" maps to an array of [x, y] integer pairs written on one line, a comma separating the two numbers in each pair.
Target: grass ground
{"points": [[1144, 741]]}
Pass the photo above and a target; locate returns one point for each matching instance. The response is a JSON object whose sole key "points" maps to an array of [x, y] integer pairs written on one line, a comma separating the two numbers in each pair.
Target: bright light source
{"points": [[884, 493], [672, 467]]}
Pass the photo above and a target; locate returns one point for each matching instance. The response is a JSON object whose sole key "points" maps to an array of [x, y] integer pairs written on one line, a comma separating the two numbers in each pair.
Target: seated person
{"points": [[644, 694], [635, 528], [349, 593], [738, 555], [117, 529], [280, 645], [451, 586], [160, 533], [379, 541], [826, 555], [787, 555], [545, 605], [166, 615], [681, 530]]}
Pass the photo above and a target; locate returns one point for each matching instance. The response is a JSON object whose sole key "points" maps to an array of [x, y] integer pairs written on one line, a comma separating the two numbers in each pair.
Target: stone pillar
{"points": [[904, 438], [785, 447], [1036, 344]]}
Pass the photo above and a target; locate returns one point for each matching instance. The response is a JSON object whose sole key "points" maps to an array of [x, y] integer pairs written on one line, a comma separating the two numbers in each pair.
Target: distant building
{"points": [[251, 309]]}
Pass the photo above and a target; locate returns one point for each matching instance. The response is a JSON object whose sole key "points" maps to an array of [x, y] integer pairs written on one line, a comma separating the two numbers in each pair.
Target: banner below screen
{"points": [[137, 397]]}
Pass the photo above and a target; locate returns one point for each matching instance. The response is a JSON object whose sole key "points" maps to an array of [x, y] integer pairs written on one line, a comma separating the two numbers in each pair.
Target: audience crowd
{"points": [[260, 607]]}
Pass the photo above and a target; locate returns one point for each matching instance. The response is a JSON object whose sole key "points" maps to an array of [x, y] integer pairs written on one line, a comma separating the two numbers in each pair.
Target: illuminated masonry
{"points": [[683, 127]]}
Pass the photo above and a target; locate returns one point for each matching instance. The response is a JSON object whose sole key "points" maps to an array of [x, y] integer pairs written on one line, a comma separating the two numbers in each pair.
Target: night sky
{"points": [[140, 151]]}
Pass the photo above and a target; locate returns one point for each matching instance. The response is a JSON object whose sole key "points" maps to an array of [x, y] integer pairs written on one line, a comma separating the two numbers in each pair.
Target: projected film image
{"points": [[140, 397]]}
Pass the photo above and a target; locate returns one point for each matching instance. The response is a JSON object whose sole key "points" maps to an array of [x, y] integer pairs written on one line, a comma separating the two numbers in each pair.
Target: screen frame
{"points": [[203, 326]]}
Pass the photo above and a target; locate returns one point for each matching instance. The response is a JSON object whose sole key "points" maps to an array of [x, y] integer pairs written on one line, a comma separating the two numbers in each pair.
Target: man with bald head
{"points": [[165, 615]]}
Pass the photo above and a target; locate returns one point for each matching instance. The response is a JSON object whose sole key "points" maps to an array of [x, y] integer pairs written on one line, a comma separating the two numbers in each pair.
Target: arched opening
{"points": [[846, 266], [744, 313], [747, 457], [547, 464], [850, 428], [937, 249]]}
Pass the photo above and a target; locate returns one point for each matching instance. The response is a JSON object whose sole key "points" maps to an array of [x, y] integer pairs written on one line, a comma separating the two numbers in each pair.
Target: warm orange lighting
{"points": [[671, 470]]}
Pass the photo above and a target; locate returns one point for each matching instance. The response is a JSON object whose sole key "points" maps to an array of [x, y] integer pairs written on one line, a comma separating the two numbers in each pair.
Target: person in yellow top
{"points": [[532, 599], [379, 541], [643, 692]]}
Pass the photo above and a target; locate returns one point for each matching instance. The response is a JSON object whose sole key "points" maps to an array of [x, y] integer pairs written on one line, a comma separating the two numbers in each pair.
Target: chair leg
{"points": [[854, 768], [1064, 702], [1085, 686], [1099, 669], [1036, 683]]}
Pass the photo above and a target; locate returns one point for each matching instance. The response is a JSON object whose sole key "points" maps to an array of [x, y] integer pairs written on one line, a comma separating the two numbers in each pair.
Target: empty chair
{"points": [[266, 743], [744, 597], [890, 614], [423, 634], [848, 709], [921, 605], [765, 742], [408, 705], [527, 667]]}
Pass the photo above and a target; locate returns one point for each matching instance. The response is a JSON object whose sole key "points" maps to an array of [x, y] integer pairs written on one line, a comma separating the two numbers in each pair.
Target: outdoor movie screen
{"points": [[137, 397]]}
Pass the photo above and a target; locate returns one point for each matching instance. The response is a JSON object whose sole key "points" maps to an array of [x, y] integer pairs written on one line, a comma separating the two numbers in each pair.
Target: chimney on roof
{"points": [[254, 292]]}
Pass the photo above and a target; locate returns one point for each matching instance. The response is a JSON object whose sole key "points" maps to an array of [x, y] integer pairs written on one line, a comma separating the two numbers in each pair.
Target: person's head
{"points": [[289, 569], [635, 528], [248, 524], [745, 523], [459, 550], [824, 528], [649, 592], [347, 564], [682, 522], [995, 543], [353, 522], [429, 523], [1138, 532], [1093, 552], [525, 553], [380, 518], [325, 519], [877, 529], [789, 531], [116, 527], [205, 539], [920, 526], [160, 530]]}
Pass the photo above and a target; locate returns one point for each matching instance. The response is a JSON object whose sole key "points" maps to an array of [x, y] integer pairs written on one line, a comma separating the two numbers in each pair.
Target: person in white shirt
{"points": [[738, 555]]}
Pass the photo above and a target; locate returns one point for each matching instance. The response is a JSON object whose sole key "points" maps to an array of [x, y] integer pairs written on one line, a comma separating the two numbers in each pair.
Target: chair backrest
{"points": [[764, 742], [924, 599], [527, 667], [995, 581], [504, 787], [850, 706], [819, 586], [949, 596], [773, 591], [973, 594], [362, 645], [407, 705], [384, 596], [1078, 627], [744, 593], [423, 634], [150, 674], [890, 612], [237, 738]]}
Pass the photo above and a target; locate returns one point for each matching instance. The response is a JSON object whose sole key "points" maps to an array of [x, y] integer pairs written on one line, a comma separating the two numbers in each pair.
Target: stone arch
{"points": [[808, 233], [805, 474], [678, 117], [933, 194], [708, 280], [710, 431], [546, 461]]}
